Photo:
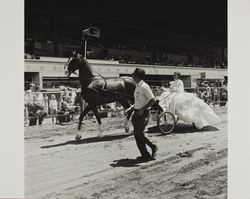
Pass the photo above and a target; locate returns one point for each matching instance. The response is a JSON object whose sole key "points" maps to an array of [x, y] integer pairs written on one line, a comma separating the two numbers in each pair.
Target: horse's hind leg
{"points": [[98, 118]]}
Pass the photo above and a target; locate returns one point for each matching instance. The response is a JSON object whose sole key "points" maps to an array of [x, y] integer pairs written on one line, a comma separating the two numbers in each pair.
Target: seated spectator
{"points": [[66, 109], [53, 108], [64, 106], [63, 110]]}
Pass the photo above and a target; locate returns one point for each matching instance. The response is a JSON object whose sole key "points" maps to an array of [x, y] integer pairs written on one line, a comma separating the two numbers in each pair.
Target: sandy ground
{"points": [[56, 166]]}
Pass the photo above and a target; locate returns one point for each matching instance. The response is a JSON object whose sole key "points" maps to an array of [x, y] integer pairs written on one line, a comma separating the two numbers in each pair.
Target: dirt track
{"points": [[56, 166]]}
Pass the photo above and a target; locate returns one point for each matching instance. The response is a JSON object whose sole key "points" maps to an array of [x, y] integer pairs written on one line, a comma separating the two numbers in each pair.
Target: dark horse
{"points": [[96, 90]]}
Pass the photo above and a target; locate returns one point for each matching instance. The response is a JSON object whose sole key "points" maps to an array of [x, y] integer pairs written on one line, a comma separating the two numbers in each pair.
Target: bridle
{"points": [[66, 69], [78, 56]]}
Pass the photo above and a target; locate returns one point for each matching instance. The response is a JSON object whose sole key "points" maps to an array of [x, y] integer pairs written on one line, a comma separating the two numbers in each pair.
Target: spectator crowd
{"points": [[61, 107], [186, 56], [213, 92], [38, 105], [64, 105]]}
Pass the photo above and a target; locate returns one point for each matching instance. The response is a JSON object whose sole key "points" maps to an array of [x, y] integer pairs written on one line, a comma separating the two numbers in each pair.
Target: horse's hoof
{"points": [[100, 135], [78, 137]]}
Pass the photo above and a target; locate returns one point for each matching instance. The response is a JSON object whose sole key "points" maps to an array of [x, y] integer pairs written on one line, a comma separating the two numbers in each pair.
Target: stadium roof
{"points": [[206, 18]]}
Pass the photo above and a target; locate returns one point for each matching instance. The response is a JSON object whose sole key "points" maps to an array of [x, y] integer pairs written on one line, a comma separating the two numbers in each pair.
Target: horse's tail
{"points": [[130, 85]]}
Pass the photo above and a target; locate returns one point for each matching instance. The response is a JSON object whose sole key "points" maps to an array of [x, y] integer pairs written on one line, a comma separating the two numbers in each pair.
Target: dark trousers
{"points": [[139, 123]]}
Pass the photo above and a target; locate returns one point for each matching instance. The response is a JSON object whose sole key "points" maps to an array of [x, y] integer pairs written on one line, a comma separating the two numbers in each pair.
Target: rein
{"points": [[114, 92], [105, 82]]}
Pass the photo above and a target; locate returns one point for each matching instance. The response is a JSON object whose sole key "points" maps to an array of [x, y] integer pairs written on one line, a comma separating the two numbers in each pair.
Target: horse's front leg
{"points": [[82, 115], [98, 118]]}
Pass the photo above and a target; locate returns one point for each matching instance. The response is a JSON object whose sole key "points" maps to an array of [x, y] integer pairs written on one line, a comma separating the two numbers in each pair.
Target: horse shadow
{"points": [[182, 128], [90, 140], [127, 163]]}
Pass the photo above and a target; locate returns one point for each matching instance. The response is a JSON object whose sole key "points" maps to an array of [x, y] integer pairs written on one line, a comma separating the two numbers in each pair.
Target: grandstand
{"points": [[188, 36]]}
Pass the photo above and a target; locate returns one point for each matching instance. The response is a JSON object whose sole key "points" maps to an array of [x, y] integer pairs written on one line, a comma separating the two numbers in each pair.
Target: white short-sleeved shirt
{"points": [[29, 96], [142, 94]]}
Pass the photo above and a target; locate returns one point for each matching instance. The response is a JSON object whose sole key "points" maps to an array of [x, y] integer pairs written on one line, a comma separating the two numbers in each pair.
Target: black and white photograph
{"points": [[125, 99]]}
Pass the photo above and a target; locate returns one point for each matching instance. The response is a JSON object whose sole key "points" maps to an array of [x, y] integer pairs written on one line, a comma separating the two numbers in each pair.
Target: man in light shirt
{"points": [[28, 102], [144, 99]]}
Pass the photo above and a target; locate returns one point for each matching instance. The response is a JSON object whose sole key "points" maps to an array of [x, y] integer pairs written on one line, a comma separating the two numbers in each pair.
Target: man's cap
{"points": [[32, 84], [139, 72]]}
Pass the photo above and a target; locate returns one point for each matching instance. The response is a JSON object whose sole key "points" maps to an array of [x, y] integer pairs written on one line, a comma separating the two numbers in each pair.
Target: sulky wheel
{"points": [[166, 122]]}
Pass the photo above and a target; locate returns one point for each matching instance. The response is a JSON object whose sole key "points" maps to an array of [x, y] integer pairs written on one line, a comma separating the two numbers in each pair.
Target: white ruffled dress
{"points": [[187, 106]]}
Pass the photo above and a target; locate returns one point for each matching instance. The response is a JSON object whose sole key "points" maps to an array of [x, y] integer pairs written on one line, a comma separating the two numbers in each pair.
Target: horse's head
{"points": [[73, 64]]}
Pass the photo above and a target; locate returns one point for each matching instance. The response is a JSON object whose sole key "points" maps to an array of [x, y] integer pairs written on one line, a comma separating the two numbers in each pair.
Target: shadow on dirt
{"points": [[127, 163], [182, 129], [89, 140]]}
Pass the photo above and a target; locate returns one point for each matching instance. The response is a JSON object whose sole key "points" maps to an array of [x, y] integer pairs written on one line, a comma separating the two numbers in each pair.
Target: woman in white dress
{"points": [[166, 98], [187, 106]]}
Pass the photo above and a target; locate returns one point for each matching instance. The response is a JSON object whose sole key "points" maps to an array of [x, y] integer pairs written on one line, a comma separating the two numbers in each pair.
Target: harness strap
{"points": [[114, 92]]}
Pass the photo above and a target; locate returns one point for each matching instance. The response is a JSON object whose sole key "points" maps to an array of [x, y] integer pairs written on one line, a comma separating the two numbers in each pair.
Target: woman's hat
{"points": [[178, 74]]}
